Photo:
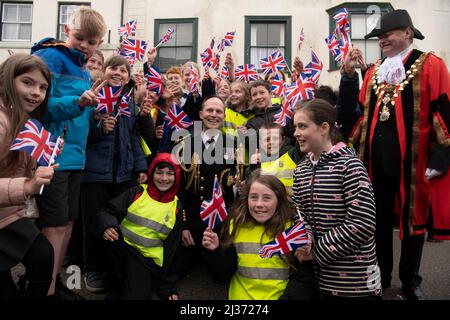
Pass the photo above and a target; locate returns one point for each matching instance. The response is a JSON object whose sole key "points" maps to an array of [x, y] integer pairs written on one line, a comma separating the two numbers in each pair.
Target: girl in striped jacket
{"points": [[334, 195]]}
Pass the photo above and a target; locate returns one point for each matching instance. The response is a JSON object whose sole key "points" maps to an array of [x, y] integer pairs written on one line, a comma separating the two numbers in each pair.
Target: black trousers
{"points": [[385, 189], [188, 257], [132, 278], [94, 196], [38, 262]]}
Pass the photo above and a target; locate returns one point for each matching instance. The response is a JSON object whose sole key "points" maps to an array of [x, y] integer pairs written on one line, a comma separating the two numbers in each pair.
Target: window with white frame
{"points": [[182, 47], [65, 10], [265, 35], [16, 21]]}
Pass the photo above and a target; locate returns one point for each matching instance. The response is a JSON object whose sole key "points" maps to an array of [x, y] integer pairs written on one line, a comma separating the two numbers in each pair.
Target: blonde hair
{"points": [[88, 20], [188, 65]]}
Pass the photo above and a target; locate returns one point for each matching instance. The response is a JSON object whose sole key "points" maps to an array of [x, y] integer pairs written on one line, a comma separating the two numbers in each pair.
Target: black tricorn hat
{"points": [[394, 20]]}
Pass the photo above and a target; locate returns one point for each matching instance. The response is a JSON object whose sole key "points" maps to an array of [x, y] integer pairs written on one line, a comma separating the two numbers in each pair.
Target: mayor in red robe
{"points": [[404, 141]]}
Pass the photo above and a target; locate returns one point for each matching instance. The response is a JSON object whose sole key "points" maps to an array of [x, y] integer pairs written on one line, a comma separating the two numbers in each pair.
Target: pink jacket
{"points": [[12, 198]]}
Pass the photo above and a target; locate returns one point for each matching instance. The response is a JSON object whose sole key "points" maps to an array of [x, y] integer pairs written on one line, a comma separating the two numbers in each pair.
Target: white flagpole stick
{"points": [[52, 158]]}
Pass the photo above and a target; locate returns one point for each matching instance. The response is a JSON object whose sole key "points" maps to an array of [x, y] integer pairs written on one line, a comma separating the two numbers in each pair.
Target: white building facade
{"points": [[24, 23], [261, 26]]}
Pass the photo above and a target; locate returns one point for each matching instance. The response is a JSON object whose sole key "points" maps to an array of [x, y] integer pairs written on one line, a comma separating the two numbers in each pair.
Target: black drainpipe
{"points": [[121, 11]]}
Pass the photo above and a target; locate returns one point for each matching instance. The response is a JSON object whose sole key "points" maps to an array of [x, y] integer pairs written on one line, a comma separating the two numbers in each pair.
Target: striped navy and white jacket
{"points": [[336, 200]]}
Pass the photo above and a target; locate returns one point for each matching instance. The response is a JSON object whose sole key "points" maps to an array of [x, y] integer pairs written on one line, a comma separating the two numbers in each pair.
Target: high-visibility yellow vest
{"points": [[234, 120], [256, 278], [282, 168], [147, 225], [144, 145]]}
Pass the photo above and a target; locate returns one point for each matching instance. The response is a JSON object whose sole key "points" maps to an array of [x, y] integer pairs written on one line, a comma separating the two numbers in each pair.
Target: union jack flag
{"points": [[289, 240], [124, 109], [194, 86], [313, 69], [227, 41], [128, 29], [206, 57], [166, 37], [213, 212], [284, 116], [273, 63], [342, 22], [154, 81], [224, 73], [215, 62], [246, 72], [344, 47], [134, 48], [37, 142], [301, 39], [278, 86], [176, 118], [300, 90], [334, 47], [108, 97]]}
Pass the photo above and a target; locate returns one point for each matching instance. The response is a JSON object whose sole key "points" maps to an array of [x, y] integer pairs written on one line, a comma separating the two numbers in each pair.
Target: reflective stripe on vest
{"points": [[256, 278], [264, 273], [147, 225], [282, 168], [233, 120]]}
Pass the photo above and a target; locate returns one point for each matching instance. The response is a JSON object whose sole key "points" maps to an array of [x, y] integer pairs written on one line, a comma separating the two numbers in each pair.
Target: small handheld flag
{"points": [[176, 118], [289, 240], [37, 142], [213, 212], [166, 37], [108, 97], [128, 29]]}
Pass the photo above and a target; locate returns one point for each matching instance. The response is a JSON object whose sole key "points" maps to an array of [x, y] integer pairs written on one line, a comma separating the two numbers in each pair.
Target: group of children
{"points": [[133, 217]]}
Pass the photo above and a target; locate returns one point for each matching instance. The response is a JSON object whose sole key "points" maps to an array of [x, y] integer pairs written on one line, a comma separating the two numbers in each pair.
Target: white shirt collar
{"points": [[406, 52], [205, 137]]}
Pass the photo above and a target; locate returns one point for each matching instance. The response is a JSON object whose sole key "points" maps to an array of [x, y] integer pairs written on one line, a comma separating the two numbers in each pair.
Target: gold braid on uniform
{"points": [[230, 180], [194, 170]]}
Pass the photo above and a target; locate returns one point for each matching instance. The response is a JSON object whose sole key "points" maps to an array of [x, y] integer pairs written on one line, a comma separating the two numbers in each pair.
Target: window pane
{"points": [[25, 32], [275, 34], [25, 13], [61, 35], [257, 54], [358, 26], [183, 54], [65, 12], [167, 57], [373, 52], [259, 34], [183, 34], [10, 12], [10, 31]]}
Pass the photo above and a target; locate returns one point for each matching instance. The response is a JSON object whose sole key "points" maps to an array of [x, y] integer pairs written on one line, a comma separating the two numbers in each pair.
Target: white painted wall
{"points": [[216, 17]]}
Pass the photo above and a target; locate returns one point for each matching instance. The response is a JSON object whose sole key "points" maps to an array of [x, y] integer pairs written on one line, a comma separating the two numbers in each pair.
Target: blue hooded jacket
{"points": [[70, 79]]}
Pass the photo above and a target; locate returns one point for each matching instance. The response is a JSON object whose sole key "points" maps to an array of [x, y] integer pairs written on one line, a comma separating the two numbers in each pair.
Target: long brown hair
{"points": [[320, 111], [11, 68], [240, 213]]}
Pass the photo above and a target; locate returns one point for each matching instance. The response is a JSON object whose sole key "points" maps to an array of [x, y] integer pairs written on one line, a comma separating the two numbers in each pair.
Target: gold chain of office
{"points": [[387, 93]]}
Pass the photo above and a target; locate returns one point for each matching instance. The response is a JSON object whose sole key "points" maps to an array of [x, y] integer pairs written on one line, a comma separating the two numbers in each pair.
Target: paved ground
{"points": [[435, 270]]}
